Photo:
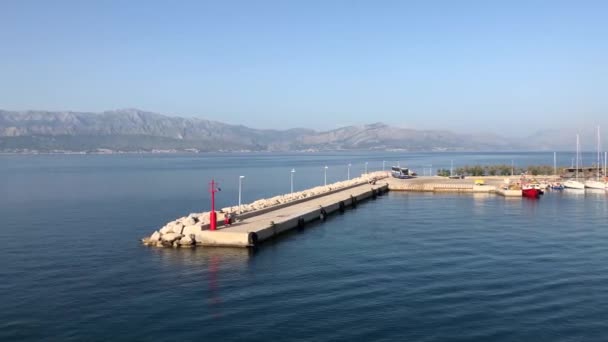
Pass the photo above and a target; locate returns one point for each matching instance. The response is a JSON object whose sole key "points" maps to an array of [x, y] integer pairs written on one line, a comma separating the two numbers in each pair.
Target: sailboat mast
{"points": [[598, 153], [555, 163], [577, 147]]}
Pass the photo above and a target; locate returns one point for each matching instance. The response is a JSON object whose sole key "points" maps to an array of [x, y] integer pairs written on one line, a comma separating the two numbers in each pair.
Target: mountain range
{"points": [[136, 130]]}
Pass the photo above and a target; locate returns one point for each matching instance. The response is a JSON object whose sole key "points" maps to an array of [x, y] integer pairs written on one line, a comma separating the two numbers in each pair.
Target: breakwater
{"points": [[265, 218]]}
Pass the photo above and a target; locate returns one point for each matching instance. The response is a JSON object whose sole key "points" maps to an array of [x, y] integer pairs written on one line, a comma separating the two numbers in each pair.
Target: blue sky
{"points": [[508, 67]]}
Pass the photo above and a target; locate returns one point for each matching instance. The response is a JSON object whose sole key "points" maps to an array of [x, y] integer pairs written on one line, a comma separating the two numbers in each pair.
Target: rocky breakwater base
{"points": [[193, 230]]}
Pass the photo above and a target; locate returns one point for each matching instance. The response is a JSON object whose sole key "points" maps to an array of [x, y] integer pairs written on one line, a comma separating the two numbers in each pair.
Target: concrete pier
{"points": [[437, 184], [264, 219], [253, 230]]}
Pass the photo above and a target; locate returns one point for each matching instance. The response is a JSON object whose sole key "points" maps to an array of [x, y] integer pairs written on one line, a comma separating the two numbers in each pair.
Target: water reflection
{"points": [[214, 298], [574, 192], [203, 256], [480, 201], [595, 192], [212, 267]]}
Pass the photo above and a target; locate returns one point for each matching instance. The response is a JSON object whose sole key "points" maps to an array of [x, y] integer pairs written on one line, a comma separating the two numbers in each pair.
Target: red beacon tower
{"points": [[213, 188]]}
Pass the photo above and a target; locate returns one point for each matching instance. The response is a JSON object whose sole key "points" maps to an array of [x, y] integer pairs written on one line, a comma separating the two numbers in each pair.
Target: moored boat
{"points": [[530, 192], [596, 184], [573, 184], [593, 184], [538, 187]]}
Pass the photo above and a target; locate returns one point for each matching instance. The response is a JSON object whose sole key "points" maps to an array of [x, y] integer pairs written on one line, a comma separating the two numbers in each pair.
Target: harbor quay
{"points": [[263, 219]]}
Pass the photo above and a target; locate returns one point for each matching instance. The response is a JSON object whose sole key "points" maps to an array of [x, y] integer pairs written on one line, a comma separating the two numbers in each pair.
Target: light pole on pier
{"points": [[325, 175], [366, 167], [292, 172], [348, 171], [240, 188]]}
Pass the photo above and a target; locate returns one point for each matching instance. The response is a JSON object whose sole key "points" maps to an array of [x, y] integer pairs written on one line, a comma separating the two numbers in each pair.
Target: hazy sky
{"points": [[504, 66]]}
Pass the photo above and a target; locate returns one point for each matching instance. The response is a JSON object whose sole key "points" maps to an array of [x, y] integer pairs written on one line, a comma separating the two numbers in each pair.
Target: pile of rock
{"points": [[185, 231]]}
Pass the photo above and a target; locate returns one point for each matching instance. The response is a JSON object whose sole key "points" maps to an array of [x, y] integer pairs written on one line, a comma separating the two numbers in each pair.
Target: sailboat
{"points": [[575, 184], [596, 184], [606, 168]]}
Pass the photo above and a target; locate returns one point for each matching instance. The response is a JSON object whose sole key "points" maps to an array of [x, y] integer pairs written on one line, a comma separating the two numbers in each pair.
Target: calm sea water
{"points": [[426, 267]]}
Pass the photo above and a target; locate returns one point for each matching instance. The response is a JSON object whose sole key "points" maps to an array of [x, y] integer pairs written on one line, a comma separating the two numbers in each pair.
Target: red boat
{"points": [[530, 192]]}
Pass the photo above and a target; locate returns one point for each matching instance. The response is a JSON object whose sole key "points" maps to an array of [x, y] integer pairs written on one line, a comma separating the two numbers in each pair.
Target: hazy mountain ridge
{"points": [[136, 130]]}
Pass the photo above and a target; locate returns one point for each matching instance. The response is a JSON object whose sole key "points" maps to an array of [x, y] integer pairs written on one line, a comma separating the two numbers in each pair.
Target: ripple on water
{"points": [[404, 267]]}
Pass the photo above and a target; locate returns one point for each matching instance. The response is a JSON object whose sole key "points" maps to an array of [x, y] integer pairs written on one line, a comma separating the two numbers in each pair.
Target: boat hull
{"points": [[571, 184], [595, 185], [530, 193]]}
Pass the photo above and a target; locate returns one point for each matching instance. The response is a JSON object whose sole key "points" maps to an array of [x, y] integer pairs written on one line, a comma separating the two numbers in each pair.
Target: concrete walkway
{"points": [[261, 227]]}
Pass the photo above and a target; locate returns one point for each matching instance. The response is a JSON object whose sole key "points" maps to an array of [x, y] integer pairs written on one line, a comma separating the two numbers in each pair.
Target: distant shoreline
{"points": [[271, 152]]}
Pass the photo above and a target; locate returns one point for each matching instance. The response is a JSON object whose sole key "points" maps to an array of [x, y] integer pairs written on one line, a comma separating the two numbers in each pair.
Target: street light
{"points": [[349, 165], [292, 172], [240, 187], [365, 167], [325, 175]]}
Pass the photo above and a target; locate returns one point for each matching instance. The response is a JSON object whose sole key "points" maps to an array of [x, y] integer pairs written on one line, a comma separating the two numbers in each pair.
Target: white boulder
{"points": [[186, 241], [188, 221], [166, 229], [155, 236], [169, 237], [193, 229]]}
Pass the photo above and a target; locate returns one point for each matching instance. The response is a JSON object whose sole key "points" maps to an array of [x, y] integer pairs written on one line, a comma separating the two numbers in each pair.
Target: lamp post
{"points": [[348, 172], [292, 172], [240, 188], [325, 175], [366, 167]]}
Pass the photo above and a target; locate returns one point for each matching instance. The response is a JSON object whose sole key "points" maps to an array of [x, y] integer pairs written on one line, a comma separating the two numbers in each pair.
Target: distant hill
{"points": [[136, 130], [565, 140]]}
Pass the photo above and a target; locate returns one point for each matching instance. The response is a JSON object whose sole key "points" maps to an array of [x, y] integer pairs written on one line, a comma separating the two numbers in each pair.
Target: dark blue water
{"points": [[404, 267]]}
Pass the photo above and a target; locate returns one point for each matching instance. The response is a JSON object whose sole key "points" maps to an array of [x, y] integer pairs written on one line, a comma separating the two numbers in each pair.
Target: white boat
{"points": [[596, 184], [592, 184], [575, 184]]}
